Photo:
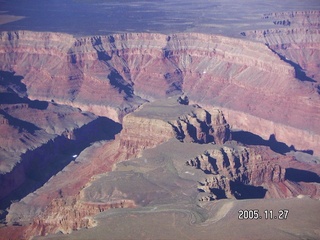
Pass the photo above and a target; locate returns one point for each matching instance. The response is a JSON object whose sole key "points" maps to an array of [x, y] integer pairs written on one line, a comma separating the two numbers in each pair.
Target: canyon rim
{"points": [[159, 119]]}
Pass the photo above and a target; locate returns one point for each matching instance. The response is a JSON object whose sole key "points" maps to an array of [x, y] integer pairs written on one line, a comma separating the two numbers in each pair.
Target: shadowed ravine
{"points": [[253, 139], [39, 165], [215, 110]]}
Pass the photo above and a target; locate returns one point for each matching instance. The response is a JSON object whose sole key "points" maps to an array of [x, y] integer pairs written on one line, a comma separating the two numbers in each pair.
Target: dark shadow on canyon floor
{"points": [[299, 72], [242, 191], [16, 91], [297, 175], [46, 161], [12, 82], [20, 124], [249, 138], [220, 193]]}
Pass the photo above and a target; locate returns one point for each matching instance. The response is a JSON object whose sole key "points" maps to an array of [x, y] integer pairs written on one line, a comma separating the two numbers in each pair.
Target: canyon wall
{"points": [[70, 200], [39, 138], [32, 168], [300, 139], [243, 173], [87, 186], [157, 122], [266, 83], [296, 37], [113, 75]]}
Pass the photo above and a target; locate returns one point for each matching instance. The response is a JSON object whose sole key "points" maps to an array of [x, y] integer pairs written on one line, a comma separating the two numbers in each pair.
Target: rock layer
{"points": [[297, 40], [157, 122], [40, 138], [160, 175], [243, 173], [258, 86], [146, 128], [112, 75]]}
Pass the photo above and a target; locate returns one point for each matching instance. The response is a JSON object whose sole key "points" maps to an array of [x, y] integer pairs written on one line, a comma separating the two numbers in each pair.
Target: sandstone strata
{"points": [[160, 175], [266, 88], [39, 138], [75, 206], [297, 40], [113, 75], [162, 120], [62, 194], [232, 170]]}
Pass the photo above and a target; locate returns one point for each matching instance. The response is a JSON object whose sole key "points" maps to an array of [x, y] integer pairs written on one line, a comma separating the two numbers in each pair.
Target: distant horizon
{"points": [[146, 119], [98, 17]]}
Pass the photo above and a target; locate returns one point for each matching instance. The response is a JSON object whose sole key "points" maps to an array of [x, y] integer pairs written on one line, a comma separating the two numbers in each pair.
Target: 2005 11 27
{"points": [[254, 214]]}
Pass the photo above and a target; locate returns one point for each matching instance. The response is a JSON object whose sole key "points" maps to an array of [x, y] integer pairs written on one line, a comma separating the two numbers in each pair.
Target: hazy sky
{"points": [[91, 17]]}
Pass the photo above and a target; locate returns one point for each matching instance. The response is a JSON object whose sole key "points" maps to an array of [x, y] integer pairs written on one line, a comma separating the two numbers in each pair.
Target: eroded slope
{"points": [[184, 179], [171, 171], [113, 75], [268, 88], [39, 138]]}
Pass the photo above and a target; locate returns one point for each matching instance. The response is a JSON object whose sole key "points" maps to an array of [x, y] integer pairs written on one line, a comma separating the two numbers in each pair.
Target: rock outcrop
{"points": [[62, 195], [268, 86], [298, 43], [158, 175], [69, 214], [244, 173], [157, 122], [40, 138], [201, 127], [28, 124], [113, 75], [147, 127]]}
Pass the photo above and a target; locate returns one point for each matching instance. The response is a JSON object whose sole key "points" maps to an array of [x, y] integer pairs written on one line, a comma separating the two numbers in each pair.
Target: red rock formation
{"points": [[39, 138], [157, 122], [145, 128], [199, 126], [109, 75], [231, 170], [141, 133], [114, 75], [82, 77], [67, 183], [68, 214], [298, 42], [27, 132], [58, 206]]}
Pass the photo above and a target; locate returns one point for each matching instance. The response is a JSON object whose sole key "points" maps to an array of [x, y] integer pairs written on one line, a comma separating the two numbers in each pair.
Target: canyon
{"points": [[180, 130], [161, 171], [113, 75]]}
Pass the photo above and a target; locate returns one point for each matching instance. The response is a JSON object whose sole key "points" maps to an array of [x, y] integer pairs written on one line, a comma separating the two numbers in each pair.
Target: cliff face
{"points": [[146, 128], [39, 138], [27, 124], [28, 170], [113, 75], [241, 172], [258, 86], [160, 171], [82, 75], [28, 138], [70, 214], [201, 127], [140, 133], [296, 37], [114, 63], [157, 122]]}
